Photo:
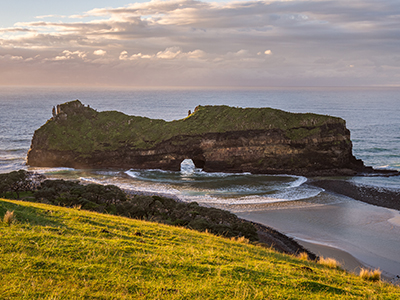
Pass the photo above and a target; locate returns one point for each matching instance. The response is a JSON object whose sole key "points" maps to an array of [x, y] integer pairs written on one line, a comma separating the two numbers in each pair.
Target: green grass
{"points": [[51, 252], [85, 130]]}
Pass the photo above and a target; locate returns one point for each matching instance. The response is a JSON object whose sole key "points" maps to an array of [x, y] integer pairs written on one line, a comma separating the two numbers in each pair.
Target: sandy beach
{"points": [[346, 260], [355, 233]]}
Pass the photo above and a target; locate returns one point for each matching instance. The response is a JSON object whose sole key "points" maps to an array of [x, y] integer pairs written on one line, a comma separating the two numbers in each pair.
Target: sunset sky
{"points": [[200, 43]]}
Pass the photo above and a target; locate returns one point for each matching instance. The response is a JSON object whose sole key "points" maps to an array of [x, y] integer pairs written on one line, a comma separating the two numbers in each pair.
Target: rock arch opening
{"points": [[189, 165]]}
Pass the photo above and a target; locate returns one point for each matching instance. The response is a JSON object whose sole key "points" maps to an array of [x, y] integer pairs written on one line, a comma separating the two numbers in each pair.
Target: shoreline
{"points": [[379, 196], [267, 235], [345, 259], [279, 241], [293, 245], [376, 196]]}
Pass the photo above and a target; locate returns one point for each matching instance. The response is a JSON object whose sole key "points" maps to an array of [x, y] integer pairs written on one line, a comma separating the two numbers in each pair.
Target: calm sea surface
{"points": [[372, 115]]}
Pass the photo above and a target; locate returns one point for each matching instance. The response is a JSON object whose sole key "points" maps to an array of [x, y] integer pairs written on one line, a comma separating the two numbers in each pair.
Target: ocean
{"points": [[284, 202]]}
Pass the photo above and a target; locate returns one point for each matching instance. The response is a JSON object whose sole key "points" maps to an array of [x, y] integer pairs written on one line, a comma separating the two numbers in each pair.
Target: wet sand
{"points": [[356, 234], [346, 260], [329, 225]]}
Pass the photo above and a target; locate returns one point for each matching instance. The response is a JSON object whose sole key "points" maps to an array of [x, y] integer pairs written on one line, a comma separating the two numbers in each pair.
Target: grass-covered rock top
{"points": [[79, 128], [52, 252]]}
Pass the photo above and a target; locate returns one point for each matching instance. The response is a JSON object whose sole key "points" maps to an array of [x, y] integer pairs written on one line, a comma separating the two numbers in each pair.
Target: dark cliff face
{"points": [[256, 141]]}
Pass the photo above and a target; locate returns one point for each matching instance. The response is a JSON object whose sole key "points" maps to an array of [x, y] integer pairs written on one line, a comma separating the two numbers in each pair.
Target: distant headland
{"points": [[216, 138]]}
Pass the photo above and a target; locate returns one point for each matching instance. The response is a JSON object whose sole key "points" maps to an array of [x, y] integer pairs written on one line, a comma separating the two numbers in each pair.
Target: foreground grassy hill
{"points": [[51, 252]]}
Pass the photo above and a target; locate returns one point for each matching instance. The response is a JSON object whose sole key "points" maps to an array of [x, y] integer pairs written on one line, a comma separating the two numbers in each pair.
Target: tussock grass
{"points": [[371, 275], [55, 252], [302, 256], [329, 262], [77, 206], [240, 239], [9, 217]]}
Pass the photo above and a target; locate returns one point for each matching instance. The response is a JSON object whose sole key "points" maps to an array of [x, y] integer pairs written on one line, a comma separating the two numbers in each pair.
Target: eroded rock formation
{"points": [[216, 138]]}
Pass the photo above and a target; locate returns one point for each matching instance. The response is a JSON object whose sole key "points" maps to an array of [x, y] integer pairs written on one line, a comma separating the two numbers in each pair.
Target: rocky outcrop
{"points": [[216, 138]]}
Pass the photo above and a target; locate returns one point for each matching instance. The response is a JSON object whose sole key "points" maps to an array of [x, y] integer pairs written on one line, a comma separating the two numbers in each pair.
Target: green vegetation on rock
{"points": [[52, 252], [81, 129]]}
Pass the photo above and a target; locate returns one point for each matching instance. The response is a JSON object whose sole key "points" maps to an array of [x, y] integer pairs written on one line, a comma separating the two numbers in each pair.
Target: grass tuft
{"points": [[302, 256], [77, 206], [329, 262], [240, 239], [370, 275], [9, 217]]}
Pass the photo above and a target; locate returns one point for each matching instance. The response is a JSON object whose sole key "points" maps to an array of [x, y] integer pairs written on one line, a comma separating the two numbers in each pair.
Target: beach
{"points": [[328, 226], [346, 260], [355, 233]]}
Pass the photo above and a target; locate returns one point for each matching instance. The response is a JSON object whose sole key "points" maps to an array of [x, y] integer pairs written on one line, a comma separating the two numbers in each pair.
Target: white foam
{"points": [[230, 194], [132, 174], [300, 180], [42, 170], [90, 180], [137, 186]]}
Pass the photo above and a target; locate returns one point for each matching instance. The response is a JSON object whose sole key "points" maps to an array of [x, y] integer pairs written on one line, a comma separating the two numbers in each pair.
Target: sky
{"points": [[200, 43]]}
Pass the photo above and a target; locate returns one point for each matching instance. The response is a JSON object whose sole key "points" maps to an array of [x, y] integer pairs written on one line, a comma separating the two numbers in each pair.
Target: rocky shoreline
{"points": [[385, 197], [280, 242], [379, 196], [268, 237]]}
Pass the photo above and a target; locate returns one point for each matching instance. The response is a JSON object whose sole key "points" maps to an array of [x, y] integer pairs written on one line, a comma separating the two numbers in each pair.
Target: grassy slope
{"points": [[59, 253], [87, 130]]}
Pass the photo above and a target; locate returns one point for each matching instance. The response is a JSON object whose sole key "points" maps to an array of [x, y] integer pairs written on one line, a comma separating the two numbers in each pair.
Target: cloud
{"points": [[169, 53], [11, 57], [2, 30], [70, 55], [265, 41], [50, 16], [100, 52], [124, 56]]}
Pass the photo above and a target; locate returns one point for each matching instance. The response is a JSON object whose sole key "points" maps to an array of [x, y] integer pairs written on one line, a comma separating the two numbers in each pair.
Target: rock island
{"points": [[216, 138]]}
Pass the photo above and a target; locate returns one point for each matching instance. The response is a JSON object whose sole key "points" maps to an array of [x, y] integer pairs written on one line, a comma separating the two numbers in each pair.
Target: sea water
{"points": [[284, 202]]}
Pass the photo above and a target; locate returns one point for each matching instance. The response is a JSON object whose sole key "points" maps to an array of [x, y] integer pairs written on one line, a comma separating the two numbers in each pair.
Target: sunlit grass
{"points": [[329, 262], [9, 217], [302, 256], [241, 239], [58, 253], [371, 275]]}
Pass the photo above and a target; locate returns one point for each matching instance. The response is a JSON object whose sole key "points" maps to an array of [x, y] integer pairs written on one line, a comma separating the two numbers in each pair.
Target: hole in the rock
{"points": [[187, 166], [190, 166]]}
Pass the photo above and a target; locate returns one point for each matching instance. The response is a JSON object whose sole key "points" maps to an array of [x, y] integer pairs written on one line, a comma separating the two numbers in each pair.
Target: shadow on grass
{"points": [[30, 215], [316, 287]]}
